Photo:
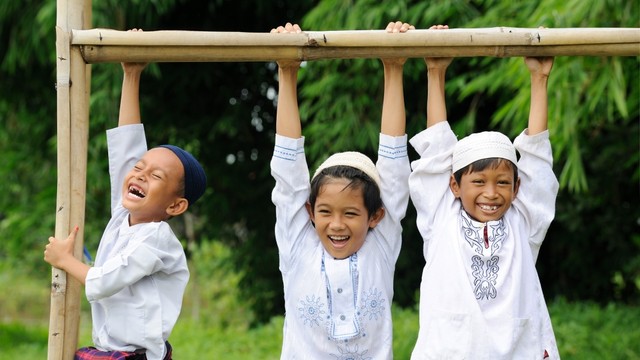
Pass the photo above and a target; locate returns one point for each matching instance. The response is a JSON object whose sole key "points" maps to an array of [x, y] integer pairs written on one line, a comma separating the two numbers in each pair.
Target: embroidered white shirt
{"points": [[136, 285], [479, 302], [337, 308]]}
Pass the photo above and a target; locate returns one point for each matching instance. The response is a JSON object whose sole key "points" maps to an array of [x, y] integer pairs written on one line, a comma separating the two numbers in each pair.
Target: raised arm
{"points": [[287, 113], [130, 97], [540, 68], [393, 111], [436, 70]]}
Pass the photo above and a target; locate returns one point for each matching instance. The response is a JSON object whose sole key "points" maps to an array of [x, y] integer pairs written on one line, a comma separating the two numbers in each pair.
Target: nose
{"points": [[336, 222], [490, 191]]}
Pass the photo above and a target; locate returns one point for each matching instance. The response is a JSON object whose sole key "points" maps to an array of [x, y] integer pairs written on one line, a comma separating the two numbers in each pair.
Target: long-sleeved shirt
{"points": [[136, 285], [477, 301], [337, 308]]}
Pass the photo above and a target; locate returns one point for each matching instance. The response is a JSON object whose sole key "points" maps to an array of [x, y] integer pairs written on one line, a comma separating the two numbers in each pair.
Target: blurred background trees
{"points": [[224, 113]]}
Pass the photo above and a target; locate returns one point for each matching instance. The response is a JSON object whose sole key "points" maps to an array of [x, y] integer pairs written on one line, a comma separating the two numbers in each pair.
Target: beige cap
{"points": [[482, 145], [352, 159]]}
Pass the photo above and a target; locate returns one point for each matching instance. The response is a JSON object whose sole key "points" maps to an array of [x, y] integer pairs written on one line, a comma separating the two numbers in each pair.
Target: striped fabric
{"points": [[91, 353]]}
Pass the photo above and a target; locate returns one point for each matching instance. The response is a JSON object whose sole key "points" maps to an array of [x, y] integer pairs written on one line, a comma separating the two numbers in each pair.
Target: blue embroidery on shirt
{"points": [[351, 354], [485, 272], [311, 311], [372, 305], [392, 152], [286, 153], [485, 278]]}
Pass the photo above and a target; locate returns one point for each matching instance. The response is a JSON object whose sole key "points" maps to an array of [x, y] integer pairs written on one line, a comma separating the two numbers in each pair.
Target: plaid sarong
{"points": [[91, 353]]}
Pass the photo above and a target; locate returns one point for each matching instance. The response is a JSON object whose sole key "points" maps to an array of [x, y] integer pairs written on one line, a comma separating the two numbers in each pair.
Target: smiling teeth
{"points": [[136, 192], [487, 207], [338, 238]]}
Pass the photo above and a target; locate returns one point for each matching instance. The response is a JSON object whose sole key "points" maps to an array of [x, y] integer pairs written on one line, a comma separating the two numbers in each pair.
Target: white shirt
{"points": [[136, 286], [478, 302], [337, 308]]}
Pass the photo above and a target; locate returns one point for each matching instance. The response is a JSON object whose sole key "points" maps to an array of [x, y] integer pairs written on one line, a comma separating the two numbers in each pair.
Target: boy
{"points": [[483, 215], [136, 286], [339, 235]]}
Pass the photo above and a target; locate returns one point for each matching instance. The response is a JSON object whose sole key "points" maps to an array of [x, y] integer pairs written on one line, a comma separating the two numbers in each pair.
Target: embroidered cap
{"points": [[482, 145], [352, 159], [195, 180]]}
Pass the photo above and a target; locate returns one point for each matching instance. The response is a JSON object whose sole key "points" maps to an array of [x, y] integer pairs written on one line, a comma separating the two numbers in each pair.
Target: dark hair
{"points": [[482, 164], [357, 180]]}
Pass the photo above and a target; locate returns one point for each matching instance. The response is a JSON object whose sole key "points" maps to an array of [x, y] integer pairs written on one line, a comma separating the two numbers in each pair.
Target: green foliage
{"points": [[224, 113], [587, 331], [583, 330], [214, 288], [594, 112], [19, 341], [25, 299]]}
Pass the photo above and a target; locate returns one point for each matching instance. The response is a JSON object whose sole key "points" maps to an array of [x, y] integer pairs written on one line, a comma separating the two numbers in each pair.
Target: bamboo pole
{"points": [[63, 195], [72, 134], [105, 45]]}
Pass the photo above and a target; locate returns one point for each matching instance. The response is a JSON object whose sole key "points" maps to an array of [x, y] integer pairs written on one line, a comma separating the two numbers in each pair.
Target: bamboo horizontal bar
{"points": [[105, 45]]}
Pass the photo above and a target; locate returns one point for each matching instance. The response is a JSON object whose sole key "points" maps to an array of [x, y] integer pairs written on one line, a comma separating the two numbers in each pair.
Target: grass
{"points": [[214, 323]]}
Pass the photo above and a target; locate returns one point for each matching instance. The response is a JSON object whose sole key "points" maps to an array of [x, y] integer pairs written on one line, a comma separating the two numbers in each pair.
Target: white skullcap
{"points": [[483, 145], [352, 159]]}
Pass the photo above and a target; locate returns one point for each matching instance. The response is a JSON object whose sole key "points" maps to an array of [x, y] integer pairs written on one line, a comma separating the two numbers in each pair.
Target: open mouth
{"points": [[339, 240], [136, 191]]}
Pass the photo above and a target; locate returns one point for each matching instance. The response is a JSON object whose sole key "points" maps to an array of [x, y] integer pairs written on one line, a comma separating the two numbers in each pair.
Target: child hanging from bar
{"points": [[339, 235], [136, 285], [483, 215]]}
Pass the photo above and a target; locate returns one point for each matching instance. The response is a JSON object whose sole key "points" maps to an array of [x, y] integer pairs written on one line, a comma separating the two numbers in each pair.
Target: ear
{"points": [[179, 206], [307, 205], [516, 186], [376, 218], [454, 186]]}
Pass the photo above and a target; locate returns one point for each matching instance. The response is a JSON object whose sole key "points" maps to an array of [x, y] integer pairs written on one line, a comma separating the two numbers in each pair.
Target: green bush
{"points": [[216, 321]]}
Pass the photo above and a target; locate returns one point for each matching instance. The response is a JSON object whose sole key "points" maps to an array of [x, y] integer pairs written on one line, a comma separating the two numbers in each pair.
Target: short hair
{"points": [[358, 179], [480, 165]]}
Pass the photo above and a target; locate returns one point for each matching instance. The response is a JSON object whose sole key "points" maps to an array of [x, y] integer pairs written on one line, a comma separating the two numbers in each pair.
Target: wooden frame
{"points": [[77, 46]]}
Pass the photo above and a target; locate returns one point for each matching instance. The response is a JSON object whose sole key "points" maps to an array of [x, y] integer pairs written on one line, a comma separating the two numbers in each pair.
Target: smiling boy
{"points": [[339, 235], [483, 215], [136, 285]]}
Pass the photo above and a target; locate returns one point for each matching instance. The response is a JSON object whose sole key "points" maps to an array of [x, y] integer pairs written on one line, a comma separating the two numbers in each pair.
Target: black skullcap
{"points": [[195, 180]]}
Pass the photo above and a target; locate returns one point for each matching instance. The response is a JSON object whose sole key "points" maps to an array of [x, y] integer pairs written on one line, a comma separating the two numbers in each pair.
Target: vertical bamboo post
{"points": [[72, 123], [79, 105], [63, 194]]}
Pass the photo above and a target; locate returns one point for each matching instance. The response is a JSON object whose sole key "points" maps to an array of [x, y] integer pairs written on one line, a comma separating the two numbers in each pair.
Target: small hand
{"points": [[133, 67], [539, 65], [441, 62], [288, 28], [397, 27], [57, 251]]}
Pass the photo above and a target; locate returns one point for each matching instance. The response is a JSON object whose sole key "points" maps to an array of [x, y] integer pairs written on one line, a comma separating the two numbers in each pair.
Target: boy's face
{"points": [[150, 189], [486, 195], [341, 219]]}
